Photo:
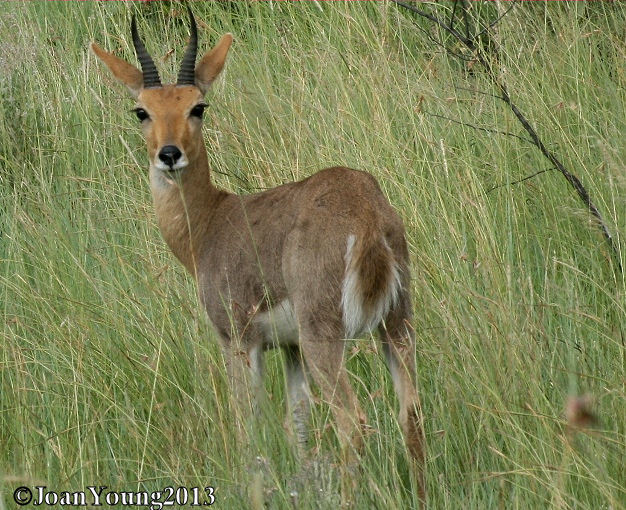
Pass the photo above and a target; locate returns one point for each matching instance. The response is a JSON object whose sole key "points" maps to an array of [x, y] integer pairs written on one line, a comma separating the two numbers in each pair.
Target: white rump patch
{"points": [[356, 319], [279, 324]]}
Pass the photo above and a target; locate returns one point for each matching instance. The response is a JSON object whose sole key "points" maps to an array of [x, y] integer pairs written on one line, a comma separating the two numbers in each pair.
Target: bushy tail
{"points": [[371, 284]]}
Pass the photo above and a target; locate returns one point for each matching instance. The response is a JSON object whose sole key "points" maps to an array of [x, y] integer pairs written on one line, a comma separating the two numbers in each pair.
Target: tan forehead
{"points": [[170, 97]]}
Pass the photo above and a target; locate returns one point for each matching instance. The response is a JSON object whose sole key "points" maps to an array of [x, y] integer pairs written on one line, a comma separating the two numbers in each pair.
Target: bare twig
{"points": [[520, 180], [495, 22], [456, 2], [480, 128], [465, 20], [483, 59], [424, 14], [443, 46], [456, 87]]}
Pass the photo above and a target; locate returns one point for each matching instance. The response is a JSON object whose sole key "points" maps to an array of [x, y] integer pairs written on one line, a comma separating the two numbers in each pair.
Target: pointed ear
{"points": [[212, 63], [128, 74]]}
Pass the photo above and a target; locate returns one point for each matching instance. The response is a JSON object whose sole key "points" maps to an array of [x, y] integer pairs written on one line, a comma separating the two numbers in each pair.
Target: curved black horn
{"points": [[150, 73], [187, 76]]}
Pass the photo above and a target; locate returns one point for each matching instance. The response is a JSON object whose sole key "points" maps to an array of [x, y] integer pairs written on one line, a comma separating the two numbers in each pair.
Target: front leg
{"points": [[244, 364], [242, 348]]}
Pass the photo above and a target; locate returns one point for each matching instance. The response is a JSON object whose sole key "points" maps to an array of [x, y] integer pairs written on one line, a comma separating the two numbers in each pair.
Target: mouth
{"points": [[172, 170], [173, 175]]}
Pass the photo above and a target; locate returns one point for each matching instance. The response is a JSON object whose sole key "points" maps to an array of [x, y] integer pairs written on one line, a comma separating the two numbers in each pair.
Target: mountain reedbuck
{"points": [[302, 266]]}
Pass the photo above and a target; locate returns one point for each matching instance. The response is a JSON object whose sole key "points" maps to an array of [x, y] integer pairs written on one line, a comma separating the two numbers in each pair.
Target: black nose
{"points": [[170, 154]]}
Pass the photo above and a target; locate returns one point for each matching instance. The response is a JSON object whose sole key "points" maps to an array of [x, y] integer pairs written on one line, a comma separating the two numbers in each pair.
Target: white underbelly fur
{"points": [[279, 324]]}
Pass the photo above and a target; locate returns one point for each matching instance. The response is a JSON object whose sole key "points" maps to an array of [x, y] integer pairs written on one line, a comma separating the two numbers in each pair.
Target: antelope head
{"points": [[171, 121], [170, 115]]}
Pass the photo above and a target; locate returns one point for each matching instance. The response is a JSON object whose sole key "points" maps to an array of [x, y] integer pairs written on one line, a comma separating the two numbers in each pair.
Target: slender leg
{"points": [[298, 396], [324, 358], [257, 368], [399, 347], [245, 374]]}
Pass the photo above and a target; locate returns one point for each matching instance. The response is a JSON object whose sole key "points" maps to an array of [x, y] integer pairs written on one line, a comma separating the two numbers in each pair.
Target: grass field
{"points": [[109, 372]]}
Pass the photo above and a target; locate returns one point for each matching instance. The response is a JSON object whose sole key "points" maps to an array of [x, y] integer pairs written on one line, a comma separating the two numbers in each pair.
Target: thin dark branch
{"points": [[480, 128], [246, 184], [496, 79], [432, 39], [458, 55], [572, 179], [456, 2], [443, 46], [346, 63], [436, 20], [495, 22], [456, 87], [465, 20], [520, 180]]}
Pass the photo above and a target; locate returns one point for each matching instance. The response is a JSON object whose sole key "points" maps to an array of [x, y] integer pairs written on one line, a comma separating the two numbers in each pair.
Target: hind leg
{"points": [[322, 346], [399, 347], [298, 395], [324, 357]]}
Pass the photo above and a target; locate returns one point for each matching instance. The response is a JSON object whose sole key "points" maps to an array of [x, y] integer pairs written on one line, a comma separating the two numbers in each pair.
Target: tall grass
{"points": [[109, 372]]}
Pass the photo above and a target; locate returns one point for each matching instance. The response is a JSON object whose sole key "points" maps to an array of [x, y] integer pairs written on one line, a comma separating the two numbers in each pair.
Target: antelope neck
{"points": [[185, 208]]}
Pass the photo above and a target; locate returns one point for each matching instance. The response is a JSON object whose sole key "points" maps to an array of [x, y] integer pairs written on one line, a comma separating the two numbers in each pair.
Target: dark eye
{"points": [[141, 114], [197, 110]]}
